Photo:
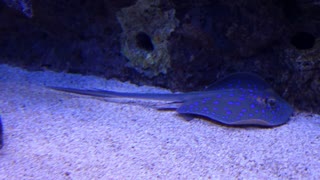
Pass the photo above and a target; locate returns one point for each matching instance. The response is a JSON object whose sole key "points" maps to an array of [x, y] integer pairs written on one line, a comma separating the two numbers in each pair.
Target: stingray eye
{"points": [[270, 102]]}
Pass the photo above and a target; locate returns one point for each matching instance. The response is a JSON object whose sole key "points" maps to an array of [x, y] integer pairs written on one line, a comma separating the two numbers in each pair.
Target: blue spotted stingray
{"points": [[238, 99]]}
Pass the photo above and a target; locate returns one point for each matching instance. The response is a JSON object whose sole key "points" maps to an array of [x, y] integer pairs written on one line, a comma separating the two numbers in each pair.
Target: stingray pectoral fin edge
{"points": [[244, 122], [256, 122]]}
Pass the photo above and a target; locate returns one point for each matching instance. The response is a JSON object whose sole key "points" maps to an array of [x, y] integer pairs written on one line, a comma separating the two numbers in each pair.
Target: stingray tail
{"points": [[112, 94]]}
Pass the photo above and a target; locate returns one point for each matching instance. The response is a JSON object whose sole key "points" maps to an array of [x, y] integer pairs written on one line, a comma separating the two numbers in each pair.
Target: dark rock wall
{"points": [[182, 45], [72, 36], [23, 6]]}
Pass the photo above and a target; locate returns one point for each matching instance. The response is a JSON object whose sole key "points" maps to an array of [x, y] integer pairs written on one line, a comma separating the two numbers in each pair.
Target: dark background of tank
{"points": [[181, 45]]}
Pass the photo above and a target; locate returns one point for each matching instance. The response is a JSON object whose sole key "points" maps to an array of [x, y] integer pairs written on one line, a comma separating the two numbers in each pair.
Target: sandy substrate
{"points": [[55, 135]]}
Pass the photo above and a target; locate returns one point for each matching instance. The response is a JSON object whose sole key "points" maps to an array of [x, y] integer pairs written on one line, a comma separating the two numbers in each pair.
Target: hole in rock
{"points": [[303, 40], [143, 41]]}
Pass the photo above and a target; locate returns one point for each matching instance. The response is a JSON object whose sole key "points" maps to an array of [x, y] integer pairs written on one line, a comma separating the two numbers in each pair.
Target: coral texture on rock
{"points": [[145, 32]]}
